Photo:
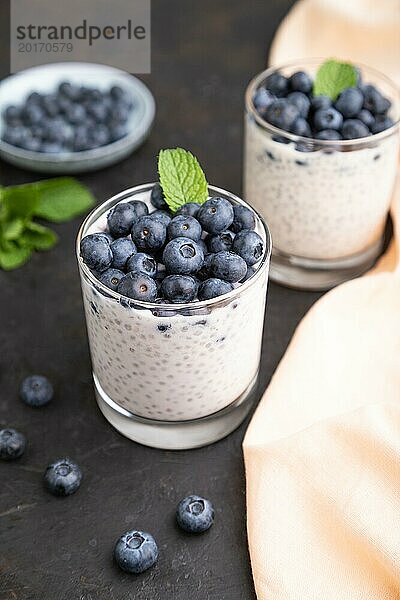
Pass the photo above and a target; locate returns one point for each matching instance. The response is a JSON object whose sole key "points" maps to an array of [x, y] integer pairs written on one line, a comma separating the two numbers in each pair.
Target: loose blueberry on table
{"points": [[63, 477], [12, 444], [72, 118], [136, 551], [36, 390], [195, 514], [324, 109], [164, 255]]}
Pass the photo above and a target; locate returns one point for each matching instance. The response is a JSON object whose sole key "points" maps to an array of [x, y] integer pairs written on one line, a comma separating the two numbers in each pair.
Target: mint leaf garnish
{"points": [[12, 255], [11, 230], [333, 77], [181, 177], [62, 199], [55, 200], [38, 237]]}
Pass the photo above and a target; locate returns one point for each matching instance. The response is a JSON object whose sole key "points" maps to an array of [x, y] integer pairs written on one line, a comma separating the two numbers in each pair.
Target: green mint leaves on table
{"points": [[333, 77], [181, 177], [55, 200]]}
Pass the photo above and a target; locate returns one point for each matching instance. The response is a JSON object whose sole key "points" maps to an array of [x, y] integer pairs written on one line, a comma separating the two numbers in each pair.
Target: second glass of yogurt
{"points": [[326, 201], [174, 376]]}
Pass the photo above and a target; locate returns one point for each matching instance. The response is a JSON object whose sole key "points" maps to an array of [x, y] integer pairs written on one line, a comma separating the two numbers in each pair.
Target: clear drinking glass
{"points": [[326, 202], [174, 375]]}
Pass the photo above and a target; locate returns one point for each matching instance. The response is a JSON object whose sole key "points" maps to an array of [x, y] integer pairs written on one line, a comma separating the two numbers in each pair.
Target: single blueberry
{"points": [[96, 252], [98, 111], [57, 130], [122, 249], [157, 197], [301, 102], [179, 289], [184, 226], [366, 117], [119, 113], [216, 215], [136, 551], [282, 113], [189, 209], [111, 278], [75, 114], [36, 390], [69, 90], [262, 99], [350, 102], [228, 266], [248, 245], [117, 131], [243, 218], [374, 101], [148, 233], [183, 256], [213, 287], [120, 219], [12, 444], [320, 102], [381, 123], [301, 82], [328, 118], [142, 263], [117, 93], [301, 127], [277, 84], [138, 286], [353, 128], [50, 105], [195, 514], [80, 139], [161, 215], [220, 241], [99, 136], [63, 477], [328, 134], [32, 114], [12, 114]]}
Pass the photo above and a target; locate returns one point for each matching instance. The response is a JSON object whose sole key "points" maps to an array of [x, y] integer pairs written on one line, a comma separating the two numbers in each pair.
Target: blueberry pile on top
{"points": [[70, 119], [290, 104], [197, 253]]}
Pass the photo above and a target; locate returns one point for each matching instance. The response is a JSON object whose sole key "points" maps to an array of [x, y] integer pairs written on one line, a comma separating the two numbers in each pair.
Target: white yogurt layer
{"points": [[320, 205], [176, 366]]}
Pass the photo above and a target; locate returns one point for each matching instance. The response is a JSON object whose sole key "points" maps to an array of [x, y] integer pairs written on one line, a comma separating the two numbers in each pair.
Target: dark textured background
{"points": [[204, 53]]}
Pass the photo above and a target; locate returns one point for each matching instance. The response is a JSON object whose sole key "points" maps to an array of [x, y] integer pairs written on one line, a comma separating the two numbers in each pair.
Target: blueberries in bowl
{"points": [[173, 257], [71, 118], [356, 111]]}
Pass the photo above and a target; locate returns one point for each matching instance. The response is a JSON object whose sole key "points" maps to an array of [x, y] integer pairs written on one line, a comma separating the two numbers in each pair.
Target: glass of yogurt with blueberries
{"points": [[321, 155], [174, 280]]}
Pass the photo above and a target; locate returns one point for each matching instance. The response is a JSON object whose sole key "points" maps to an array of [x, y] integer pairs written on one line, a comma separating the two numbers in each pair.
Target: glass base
{"points": [[177, 435], [320, 275]]}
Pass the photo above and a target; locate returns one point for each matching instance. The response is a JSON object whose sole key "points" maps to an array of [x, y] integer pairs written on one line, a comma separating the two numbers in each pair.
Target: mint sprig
{"points": [[55, 200], [181, 177], [333, 77]]}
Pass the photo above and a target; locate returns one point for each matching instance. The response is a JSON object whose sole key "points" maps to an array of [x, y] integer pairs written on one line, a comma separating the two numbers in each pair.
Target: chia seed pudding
{"points": [[174, 362], [326, 200]]}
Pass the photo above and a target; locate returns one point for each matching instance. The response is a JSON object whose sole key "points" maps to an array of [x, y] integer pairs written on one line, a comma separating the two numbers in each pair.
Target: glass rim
{"points": [[258, 79], [169, 306]]}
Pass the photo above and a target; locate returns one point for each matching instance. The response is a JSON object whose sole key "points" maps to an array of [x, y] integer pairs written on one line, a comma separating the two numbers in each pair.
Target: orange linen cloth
{"points": [[322, 452]]}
